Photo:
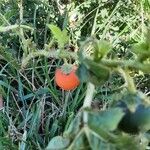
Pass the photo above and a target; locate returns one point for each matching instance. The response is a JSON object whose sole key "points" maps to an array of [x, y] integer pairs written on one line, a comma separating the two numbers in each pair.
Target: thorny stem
{"points": [[128, 80], [131, 64], [53, 54], [13, 27], [88, 100]]}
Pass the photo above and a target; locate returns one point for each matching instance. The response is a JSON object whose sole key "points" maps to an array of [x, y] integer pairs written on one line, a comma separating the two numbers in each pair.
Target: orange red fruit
{"points": [[67, 81]]}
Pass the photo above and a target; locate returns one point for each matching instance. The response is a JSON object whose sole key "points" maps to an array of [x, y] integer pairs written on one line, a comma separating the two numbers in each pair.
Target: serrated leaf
{"points": [[101, 48], [100, 72], [61, 36], [142, 49], [55, 30], [141, 117], [107, 119], [58, 143]]}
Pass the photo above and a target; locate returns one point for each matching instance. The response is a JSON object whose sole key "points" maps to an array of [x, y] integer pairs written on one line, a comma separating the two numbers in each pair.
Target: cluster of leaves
{"points": [[130, 114], [97, 134]]}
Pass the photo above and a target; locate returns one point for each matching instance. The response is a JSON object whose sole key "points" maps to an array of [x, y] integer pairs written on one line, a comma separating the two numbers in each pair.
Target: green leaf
{"points": [[132, 100], [91, 71], [135, 121], [107, 119], [126, 123], [128, 142], [58, 143], [96, 143], [54, 127], [61, 36], [100, 72], [100, 138], [141, 117], [65, 36], [101, 48], [142, 49], [83, 73], [81, 143]]}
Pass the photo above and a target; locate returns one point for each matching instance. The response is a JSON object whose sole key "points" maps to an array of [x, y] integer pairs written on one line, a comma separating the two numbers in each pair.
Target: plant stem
{"points": [[65, 104], [53, 54], [128, 80], [21, 32], [14, 27], [88, 100], [75, 139], [131, 64]]}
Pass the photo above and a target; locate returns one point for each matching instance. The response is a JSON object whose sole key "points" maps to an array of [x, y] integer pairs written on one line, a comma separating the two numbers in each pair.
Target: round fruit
{"points": [[67, 81]]}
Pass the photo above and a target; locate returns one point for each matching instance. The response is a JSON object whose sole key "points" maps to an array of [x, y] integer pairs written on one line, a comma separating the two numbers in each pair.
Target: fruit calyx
{"points": [[67, 68]]}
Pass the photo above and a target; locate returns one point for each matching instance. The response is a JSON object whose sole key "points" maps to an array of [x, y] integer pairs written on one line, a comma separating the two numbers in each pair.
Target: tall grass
{"points": [[35, 109]]}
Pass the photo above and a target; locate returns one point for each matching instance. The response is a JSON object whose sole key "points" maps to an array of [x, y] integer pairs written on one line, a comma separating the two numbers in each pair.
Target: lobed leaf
{"points": [[61, 36]]}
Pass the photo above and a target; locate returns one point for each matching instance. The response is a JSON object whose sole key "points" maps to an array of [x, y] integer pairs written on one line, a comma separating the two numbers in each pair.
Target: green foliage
{"points": [[60, 36], [101, 48], [36, 113], [8, 57], [5, 143], [107, 120], [136, 109], [58, 142], [99, 74], [91, 69], [93, 72], [142, 49], [142, 117], [96, 135]]}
